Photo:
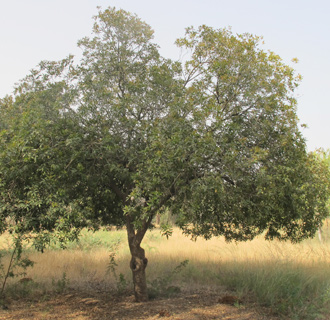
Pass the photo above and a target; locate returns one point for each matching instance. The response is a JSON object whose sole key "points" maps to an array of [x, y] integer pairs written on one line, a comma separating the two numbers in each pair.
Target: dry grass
{"points": [[278, 274], [208, 256]]}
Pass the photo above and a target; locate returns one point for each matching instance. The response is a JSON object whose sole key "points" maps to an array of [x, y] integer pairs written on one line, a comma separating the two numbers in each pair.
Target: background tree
{"points": [[323, 158], [124, 134]]}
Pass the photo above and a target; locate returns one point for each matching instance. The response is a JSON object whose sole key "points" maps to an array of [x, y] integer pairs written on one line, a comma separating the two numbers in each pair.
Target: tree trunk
{"points": [[139, 261], [138, 266]]}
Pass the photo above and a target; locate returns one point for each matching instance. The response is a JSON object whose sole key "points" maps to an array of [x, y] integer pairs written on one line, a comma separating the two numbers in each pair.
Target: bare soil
{"points": [[82, 306]]}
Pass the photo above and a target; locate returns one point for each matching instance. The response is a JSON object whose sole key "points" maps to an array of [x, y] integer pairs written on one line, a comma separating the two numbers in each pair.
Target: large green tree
{"points": [[123, 134]]}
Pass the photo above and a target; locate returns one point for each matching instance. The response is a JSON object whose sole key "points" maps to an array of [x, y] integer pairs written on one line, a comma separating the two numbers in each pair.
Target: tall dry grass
{"points": [[292, 279]]}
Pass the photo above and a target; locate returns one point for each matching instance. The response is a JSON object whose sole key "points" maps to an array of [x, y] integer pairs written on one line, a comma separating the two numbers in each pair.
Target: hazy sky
{"points": [[35, 30]]}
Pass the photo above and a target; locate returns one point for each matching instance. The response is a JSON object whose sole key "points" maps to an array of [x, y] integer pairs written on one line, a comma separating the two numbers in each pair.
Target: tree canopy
{"points": [[123, 134]]}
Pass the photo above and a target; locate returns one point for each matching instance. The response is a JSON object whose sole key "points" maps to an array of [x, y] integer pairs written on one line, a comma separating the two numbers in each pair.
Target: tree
{"points": [[124, 134], [323, 160]]}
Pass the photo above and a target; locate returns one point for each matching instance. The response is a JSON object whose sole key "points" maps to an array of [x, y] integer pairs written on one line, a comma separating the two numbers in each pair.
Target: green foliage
{"points": [[161, 286], [61, 285], [121, 282], [17, 263], [123, 134], [261, 177], [323, 157], [289, 291], [166, 230], [112, 260], [91, 240], [22, 289]]}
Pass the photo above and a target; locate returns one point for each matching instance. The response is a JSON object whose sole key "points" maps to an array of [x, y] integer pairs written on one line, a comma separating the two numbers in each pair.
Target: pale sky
{"points": [[35, 30]]}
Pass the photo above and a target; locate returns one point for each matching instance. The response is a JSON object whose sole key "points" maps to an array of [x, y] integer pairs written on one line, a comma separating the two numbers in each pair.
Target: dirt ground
{"points": [[83, 306]]}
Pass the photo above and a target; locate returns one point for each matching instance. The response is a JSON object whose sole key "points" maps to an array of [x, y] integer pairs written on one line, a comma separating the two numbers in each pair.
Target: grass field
{"points": [[291, 279]]}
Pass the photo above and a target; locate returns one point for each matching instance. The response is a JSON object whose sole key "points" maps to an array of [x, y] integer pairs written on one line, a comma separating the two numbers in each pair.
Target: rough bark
{"points": [[138, 266], [139, 261]]}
